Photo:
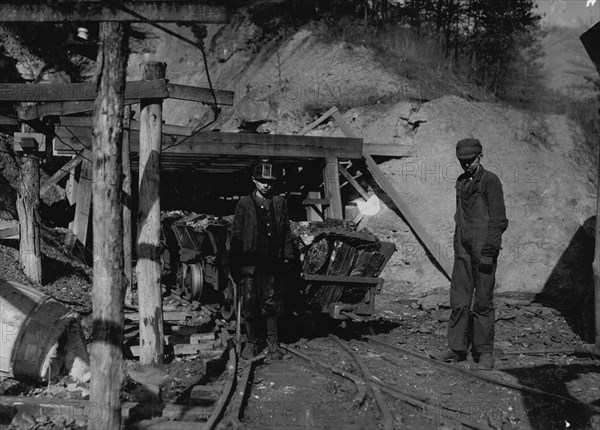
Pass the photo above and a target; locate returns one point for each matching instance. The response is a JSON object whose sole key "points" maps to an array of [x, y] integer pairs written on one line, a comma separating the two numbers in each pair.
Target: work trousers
{"points": [[470, 286], [261, 291]]}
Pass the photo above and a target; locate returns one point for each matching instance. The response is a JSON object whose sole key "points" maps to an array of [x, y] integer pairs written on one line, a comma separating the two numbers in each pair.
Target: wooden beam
{"points": [[97, 11], [106, 357], [353, 182], [127, 203], [9, 232], [342, 279], [84, 201], [78, 92], [168, 129], [232, 144], [62, 108], [331, 179], [148, 243], [202, 95], [387, 149], [407, 214], [318, 121], [28, 203], [60, 173]]}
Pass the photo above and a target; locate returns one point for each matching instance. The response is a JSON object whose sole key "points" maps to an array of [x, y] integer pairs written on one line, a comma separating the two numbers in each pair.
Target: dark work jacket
{"points": [[480, 213], [244, 241]]}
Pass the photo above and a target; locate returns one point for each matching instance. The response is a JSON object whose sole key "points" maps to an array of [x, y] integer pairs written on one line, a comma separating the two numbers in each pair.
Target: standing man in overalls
{"points": [[480, 221], [261, 250]]}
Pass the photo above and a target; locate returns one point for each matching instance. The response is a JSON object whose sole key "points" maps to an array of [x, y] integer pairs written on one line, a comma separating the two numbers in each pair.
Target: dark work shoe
{"points": [[249, 350], [486, 361], [275, 351], [449, 355]]}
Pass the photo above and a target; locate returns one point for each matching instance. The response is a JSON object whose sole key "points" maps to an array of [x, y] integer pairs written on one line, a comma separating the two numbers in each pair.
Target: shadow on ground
{"points": [[547, 412]]}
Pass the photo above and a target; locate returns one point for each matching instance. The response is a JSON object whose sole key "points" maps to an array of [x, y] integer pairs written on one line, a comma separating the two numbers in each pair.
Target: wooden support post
{"points": [[596, 265], [148, 242], [331, 178], [314, 213], [28, 203], [107, 291], [127, 236], [84, 200]]}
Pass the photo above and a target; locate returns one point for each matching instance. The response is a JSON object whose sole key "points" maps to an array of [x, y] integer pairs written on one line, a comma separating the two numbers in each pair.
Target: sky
{"points": [[571, 13]]}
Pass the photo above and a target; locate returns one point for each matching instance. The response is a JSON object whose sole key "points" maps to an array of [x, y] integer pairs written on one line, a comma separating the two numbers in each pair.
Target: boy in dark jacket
{"points": [[261, 248], [480, 221]]}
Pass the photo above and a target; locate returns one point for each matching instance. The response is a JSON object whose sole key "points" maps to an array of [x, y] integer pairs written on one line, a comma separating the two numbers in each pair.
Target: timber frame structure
{"points": [[205, 152]]}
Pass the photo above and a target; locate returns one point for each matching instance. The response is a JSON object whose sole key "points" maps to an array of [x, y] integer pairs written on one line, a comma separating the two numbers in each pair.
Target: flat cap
{"points": [[468, 148]]}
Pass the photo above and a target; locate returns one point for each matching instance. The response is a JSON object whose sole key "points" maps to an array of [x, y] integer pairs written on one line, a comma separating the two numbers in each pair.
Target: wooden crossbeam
{"points": [[61, 173], [78, 92], [133, 90], [232, 144], [96, 11], [197, 94], [61, 108], [167, 129]]}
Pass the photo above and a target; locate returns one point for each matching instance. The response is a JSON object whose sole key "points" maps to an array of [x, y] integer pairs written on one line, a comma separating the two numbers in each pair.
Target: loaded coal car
{"points": [[340, 267], [337, 272]]}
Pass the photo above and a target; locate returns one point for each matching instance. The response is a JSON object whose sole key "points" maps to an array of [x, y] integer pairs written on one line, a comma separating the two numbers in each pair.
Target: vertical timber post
{"points": [[331, 179], [596, 263], [127, 238], [28, 204], [107, 291], [148, 266]]}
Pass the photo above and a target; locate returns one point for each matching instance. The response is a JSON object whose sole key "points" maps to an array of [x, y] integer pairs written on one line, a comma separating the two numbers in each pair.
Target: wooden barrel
{"points": [[31, 324]]}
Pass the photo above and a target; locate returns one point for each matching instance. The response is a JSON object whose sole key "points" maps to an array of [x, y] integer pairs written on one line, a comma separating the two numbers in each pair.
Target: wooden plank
{"points": [[386, 150], [407, 214], [6, 233], [353, 182], [331, 179], [78, 92], [62, 108], [96, 11], [167, 129], [197, 349], [61, 173], [342, 279], [314, 212], [344, 125], [202, 95], [71, 409], [232, 144], [314, 201], [320, 120], [167, 315], [84, 202], [7, 120]]}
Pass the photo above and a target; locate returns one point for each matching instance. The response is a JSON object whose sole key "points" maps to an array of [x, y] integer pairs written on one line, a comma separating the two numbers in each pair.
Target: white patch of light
{"points": [[590, 3]]}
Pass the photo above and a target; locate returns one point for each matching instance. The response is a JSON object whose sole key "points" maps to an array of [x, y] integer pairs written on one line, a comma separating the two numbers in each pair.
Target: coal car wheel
{"points": [[229, 300], [193, 281]]}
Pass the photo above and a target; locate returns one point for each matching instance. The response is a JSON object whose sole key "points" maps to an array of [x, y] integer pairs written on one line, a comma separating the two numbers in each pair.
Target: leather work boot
{"points": [[486, 361], [449, 356], [249, 350], [275, 351]]}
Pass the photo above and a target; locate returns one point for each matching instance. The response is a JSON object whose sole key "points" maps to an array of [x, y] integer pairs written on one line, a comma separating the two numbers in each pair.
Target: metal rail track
{"points": [[377, 384], [479, 375]]}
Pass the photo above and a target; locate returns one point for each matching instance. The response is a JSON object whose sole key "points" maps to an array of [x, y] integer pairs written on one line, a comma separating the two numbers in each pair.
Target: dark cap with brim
{"points": [[468, 148]]}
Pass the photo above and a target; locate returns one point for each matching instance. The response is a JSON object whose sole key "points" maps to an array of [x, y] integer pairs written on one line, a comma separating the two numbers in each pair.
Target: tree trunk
{"points": [[107, 292], [148, 266], [28, 203]]}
